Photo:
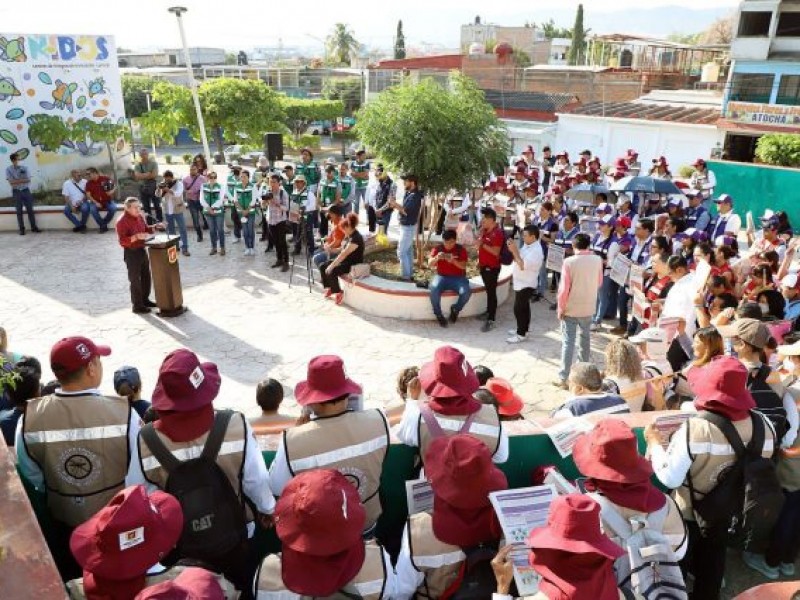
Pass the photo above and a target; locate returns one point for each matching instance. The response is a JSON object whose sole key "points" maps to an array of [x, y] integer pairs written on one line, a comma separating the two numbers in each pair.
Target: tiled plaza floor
{"points": [[244, 317]]}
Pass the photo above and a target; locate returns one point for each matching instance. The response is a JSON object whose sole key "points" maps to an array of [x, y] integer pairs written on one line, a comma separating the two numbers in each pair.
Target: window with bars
{"points": [[752, 87], [789, 90]]}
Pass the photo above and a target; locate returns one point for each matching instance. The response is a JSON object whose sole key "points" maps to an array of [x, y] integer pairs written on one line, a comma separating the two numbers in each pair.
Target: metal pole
{"points": [[152, 137], [178, 12]]}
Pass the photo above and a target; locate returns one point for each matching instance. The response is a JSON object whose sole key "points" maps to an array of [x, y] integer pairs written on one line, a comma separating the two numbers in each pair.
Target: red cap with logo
{"points": [[73, 353], [184, 383]]}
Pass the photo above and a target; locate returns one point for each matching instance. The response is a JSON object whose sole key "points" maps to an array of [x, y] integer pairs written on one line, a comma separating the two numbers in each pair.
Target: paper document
{"points": [[419, 495], [555, 258], [564, 433], [620, 269], [520, 511]]}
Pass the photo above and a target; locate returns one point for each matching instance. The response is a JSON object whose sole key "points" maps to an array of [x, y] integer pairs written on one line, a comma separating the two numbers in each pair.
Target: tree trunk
{"points": [[113, 166], [220, 140]]}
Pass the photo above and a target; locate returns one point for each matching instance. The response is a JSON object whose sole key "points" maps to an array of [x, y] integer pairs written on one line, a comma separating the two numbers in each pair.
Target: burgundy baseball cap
{"points": [[73, 353], [184, 383]]}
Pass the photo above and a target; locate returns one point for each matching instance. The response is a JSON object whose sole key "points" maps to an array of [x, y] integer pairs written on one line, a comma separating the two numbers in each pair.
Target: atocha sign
{"points": [[764, 114]]}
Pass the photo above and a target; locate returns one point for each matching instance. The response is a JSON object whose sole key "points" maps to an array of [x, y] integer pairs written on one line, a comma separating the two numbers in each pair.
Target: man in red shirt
{"points": [[100, 192], [490, 242], [132, 232], [450, 260]]}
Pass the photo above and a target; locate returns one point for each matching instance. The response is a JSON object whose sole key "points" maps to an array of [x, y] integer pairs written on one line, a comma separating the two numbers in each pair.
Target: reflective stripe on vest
{"points": [[184, 454], [76, 435], [440, 563], [353, 443], [80, 443]]}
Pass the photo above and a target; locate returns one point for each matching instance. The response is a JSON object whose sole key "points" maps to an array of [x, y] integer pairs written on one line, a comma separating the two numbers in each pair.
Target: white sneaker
{"points": [[595, 327], [516, 338], [237, 240], [246, 252], [512, 332]]}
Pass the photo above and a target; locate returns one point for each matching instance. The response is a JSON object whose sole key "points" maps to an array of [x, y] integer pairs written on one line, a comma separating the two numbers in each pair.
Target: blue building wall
{"points": [[777, 68]]}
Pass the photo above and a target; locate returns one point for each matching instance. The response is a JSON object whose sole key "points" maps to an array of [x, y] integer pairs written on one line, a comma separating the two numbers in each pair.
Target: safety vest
{"points": [[81, 445], [439, 563], [230, 458], [485, 426], [76, 592], [718, 226], [693, 214], [328, 192], [601, 245], [243, 196], [353, 443], [368, 584], [712, 454], [300, 198], [310, 170], [357, 167], [211, 193], [347, 187]]}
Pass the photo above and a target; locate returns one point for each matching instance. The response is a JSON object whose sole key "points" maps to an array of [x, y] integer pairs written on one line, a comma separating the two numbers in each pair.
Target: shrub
{"points": [[304, 141], [168, 159], [187, 158], [685, 171], [780, 149]]}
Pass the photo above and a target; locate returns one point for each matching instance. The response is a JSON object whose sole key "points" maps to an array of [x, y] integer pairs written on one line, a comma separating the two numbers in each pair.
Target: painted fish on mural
{"points": [[12, 50], [7, 89], [62, 96], [96, 87]]}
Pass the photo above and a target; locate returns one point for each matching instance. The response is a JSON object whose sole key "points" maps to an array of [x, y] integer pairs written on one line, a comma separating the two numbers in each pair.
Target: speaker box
{"points": [[273, 146]]}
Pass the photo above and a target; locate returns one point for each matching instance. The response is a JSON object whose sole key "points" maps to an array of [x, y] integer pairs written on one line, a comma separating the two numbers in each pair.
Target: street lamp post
{"points": [[149, 108], [178, 12]]}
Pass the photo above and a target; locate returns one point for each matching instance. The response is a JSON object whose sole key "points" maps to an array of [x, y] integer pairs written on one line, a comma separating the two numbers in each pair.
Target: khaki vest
{"points": [[712, 454], [440, 563], [789, 463], [485, 426], [76, 592], [585, 270], [81, 445], [353, 443], [230, 458], [370, 583]]}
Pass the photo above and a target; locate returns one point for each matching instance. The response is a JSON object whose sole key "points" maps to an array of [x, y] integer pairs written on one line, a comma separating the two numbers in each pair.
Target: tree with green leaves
{"points": [[134, 94], [300, 112], [341, 45], [552, 31], [449, 137], [241, 108], [346, 89], [577, 49], [399, 42], [779, 149]]}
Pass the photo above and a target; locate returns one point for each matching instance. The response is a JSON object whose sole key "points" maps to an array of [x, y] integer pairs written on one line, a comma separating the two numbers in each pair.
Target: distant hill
{"points": [[659, 21]]}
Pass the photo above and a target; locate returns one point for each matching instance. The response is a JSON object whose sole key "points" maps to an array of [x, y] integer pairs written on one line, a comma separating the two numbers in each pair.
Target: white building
{"points": [[559, 48]]}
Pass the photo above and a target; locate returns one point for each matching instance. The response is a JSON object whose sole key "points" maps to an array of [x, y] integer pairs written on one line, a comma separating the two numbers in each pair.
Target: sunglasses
{"points": [[212, 177]]}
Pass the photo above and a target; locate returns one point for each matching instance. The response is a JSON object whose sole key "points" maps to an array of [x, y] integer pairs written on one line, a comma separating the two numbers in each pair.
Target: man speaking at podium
{"points": [[133, 231]]}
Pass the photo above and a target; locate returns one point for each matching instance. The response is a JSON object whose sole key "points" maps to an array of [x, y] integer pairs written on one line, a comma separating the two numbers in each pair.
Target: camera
{"points": [[163, 185], [108, 186], [268, 196]]}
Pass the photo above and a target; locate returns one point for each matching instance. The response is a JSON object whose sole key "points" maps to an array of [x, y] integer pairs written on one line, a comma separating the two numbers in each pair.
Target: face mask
{"points": [[764, 308]]}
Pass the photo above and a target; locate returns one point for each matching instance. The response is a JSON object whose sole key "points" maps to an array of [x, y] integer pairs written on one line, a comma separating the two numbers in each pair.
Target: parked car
{"points": [[233, 153], [319, 128]]}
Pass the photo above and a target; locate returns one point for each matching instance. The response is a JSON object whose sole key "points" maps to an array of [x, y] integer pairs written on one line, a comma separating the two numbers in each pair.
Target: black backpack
{"points": [[768, 401], [213, 515], [506, 258], [748, 497], [476, 580]]}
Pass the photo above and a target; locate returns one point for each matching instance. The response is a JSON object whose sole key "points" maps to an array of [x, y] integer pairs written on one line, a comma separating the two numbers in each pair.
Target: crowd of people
{"points": [[145, 496]]}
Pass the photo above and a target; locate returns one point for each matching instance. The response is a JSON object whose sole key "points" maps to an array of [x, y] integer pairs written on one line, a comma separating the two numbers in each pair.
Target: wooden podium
{"points": [[163, 251]]}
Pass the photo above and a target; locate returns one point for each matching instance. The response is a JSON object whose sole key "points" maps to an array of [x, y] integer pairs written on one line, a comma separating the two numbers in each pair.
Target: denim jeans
{"points": [[320, 257], [24, 199], [785, 541], [622, 305], [542, 287], [449, 283], [111, 209], [179, 220], [405, 250], [359, 195], [195, 210], [569, 335], [249, 231], [83, 209], [606, 299], [216, 229]]}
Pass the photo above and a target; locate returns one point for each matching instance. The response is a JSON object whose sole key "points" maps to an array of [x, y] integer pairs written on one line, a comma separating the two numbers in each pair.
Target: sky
{"points": [[304, 23]]}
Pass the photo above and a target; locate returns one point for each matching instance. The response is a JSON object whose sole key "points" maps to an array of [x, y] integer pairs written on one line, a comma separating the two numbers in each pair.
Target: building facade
{"points": [[763, 91]]}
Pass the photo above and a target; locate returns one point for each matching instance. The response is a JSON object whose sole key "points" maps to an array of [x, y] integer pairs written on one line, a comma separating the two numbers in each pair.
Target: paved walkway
{"points": [[244, 317]]}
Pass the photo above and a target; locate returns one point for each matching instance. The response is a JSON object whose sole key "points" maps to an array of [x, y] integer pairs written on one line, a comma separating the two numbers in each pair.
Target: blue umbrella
{"points": [[647, 185], [585, 192]]}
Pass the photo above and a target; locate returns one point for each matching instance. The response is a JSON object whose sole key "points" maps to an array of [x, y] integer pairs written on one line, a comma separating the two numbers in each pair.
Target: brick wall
{"points": [[588, 87]]}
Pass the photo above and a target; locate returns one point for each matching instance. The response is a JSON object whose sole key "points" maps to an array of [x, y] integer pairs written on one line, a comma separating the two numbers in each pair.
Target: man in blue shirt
{"points": [[588, 396], [19, 179], [409, 215]]}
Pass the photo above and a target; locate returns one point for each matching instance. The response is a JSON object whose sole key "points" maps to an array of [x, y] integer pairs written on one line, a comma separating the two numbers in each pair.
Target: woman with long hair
{"points": [[624, 375]]}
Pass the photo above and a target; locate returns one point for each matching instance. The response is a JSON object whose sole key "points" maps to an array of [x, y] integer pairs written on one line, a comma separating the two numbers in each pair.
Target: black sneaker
{"points": [[36, 230], [453, 315], [141, 310], [536, 297], [488, 326], [442, 321], [149, 303]]}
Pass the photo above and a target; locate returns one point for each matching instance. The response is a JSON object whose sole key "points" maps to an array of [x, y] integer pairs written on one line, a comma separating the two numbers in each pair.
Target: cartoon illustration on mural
{"points": [[62, 96], [96, 87], [12, 50], [7, 89]]}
